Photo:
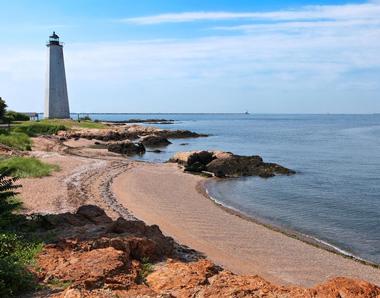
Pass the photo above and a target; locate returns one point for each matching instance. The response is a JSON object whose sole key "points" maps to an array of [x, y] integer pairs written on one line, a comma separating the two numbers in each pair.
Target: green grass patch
{"points": [[52, 126], [27, 167], [20, 141], [90, 124], [34, 128]]}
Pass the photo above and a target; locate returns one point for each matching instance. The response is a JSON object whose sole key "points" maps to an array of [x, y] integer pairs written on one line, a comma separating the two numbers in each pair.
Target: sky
{"points": [[196, 56]]}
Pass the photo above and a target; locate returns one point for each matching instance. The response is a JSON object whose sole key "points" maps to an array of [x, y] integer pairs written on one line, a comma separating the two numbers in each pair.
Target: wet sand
{"points": [[162, 194]]}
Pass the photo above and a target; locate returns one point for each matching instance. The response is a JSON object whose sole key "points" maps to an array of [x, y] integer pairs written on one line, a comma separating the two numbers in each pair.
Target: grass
{"points": [[17, 140], [52, 126], [27, 167], [34, 128]]}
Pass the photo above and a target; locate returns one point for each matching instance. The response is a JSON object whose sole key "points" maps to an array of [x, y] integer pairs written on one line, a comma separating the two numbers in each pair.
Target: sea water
{"points": [[335, 195]]}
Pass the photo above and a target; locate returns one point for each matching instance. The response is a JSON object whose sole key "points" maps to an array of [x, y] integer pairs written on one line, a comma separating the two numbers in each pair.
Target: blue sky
{"points": [[196, 56]]}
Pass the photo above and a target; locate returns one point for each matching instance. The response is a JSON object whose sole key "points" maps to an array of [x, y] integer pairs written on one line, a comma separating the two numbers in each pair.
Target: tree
{"points": [[3, 107]]}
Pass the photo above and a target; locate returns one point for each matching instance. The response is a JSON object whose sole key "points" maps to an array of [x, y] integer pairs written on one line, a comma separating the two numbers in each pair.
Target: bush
{"points": [[15, 116], [39, 128], [17, 252], [15, 140], [23, 167]]}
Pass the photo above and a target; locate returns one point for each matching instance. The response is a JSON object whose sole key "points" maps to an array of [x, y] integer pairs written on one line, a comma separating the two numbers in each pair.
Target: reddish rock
{"points": [[182, 279], [105, 259]]}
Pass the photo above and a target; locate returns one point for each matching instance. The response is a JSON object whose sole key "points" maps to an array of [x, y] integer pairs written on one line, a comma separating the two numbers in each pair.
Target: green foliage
{"points": [[34, 128], [85, 118], [3, 106], [16, 254], [8, 203], [90, 124], [27, 167], [145, 269], [15, 116], [15, 140]]}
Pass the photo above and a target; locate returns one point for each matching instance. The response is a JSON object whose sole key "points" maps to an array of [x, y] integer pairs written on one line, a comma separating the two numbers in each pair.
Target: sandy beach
{"points": [[162, 194]]}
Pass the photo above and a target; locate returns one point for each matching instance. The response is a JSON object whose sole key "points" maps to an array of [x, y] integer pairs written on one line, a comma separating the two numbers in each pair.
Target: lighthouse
{"points": [[56, 99]]}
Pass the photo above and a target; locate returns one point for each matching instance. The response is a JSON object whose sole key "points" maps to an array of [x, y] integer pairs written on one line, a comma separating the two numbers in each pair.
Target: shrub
{"points": [[15, 116], [39, 128], [16, 254], [15, 140], [23, 167], [16, 251], [3, 106]]}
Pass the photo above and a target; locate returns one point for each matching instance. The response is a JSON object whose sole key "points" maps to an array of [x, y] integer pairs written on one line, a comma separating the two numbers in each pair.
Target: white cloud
{"points": [[338, 58], [369, 10]]}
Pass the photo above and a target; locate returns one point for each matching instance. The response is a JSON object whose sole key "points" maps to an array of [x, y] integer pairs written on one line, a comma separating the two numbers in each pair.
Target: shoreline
{"points": [[308, 239], [140, 198]]}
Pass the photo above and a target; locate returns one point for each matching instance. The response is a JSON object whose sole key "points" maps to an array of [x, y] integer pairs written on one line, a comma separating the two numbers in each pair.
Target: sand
{"points": [[162, 194]]}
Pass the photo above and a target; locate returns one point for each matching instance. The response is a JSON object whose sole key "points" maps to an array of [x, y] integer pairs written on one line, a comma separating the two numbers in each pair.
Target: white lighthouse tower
{"points": [[56, 99]]}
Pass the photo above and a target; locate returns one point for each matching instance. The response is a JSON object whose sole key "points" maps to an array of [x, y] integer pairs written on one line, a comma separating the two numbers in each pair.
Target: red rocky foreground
{"points": [[98, 257]]}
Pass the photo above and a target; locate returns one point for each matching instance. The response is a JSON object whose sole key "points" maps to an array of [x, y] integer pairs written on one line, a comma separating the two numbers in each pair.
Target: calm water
{"points": [[334, 197]]}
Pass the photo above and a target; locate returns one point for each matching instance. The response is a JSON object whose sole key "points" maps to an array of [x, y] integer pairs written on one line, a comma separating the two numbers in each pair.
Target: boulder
{"points": [[179, 134], [155, 141], [202, 157], [226, 164], [94, 214], [127, 147]]}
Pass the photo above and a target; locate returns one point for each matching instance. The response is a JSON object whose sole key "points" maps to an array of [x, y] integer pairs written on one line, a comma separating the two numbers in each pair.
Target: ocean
{"points": [[335, 195]]}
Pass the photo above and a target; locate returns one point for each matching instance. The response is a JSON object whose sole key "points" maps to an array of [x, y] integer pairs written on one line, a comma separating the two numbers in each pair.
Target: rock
{"points": [[184, 144], [94, 214], [345, 287], [236, 166], [182, 279], [204, 279], [155, 141], [179, 134], [140, 229], [226, 164], [195, 167], [90, 268], [155, 151], [104, 259], [127, 147]]}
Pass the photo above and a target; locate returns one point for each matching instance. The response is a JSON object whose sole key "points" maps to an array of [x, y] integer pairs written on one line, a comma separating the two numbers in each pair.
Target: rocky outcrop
{"points": [[93, 251], [95, 256], [204, 279], [225, 164], [105, 135], [155, 141], [127, 132], [150, 121], [126, 147]]}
